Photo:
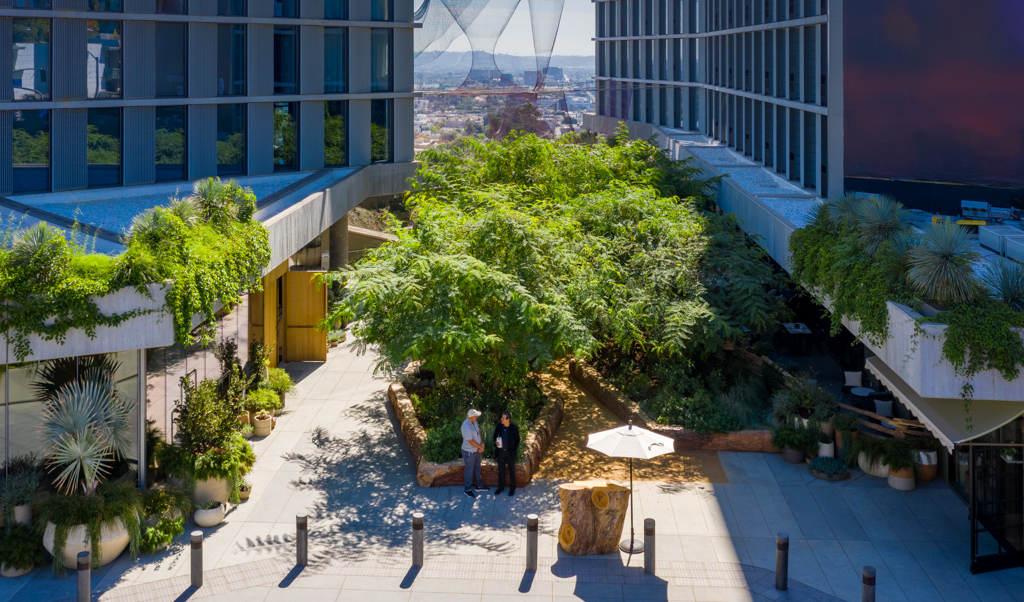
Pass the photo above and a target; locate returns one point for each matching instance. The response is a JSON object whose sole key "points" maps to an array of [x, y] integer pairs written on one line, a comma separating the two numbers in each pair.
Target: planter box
{"points": [[686, 439], [429, 474], [212, 490], [113, 540], [876, 470]]}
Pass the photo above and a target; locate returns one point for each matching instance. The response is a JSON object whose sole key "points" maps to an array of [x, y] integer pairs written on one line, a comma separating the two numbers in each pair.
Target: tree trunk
{"points": [[593, 513]]}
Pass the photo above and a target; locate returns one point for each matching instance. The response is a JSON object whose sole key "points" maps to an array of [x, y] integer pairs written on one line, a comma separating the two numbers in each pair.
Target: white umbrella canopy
{"points": [[630, 442]]}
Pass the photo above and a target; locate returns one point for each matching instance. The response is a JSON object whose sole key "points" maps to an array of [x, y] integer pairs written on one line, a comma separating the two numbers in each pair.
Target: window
{"points": [[171, 59], [335, 9], [232, 8], [285, 8], [286, 60], [31, 3], [380, 131], [31, 151], [31, 59], [380, 60], [230, 139], [105, 5], [335, 133], [103, 147], [230, 60], [285, 138], [335, 55], [103, 55], [381, 10], [172, 7], [170, 143]]}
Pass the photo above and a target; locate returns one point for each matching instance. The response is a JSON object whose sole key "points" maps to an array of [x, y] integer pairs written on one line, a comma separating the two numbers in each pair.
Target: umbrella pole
{"points": [[631, 546]]}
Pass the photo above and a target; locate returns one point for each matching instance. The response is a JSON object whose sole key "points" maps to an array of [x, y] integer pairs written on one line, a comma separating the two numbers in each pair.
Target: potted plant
{"points": [[165, 502], [826, 448], [829, 469], [794, 442], [845, 424], [869, 453], [244, 489], [1011, 455], [210, 514], [926, 456], [247, 431], [899, 456], [262, 422], [103, 523], [262, 399], [160, 535], [21, 550], [19, 489], [280, 382]]}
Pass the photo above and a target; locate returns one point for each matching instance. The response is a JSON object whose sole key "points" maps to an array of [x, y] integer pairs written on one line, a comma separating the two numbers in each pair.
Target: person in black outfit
{"points": [[506, 445]]}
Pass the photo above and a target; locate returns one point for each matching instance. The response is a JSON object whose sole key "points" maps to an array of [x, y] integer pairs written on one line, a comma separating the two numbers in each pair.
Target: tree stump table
{"points": [[593, 513]]}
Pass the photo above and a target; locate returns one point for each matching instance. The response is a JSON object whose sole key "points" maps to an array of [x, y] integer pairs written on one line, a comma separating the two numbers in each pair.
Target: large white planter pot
{"points": [[827, 450], [211, 517], [9, 572], [902, 480], [113, 540], [23, 515], [212, 490], [879, 470]]}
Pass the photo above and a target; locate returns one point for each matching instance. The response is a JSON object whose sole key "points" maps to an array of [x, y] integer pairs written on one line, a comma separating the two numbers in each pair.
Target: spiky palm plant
{"points": [[87, 424], [209, 199], [879, 220], [940, 267], [842, 211], [29, 242], [1005, 281], [54, 375]]}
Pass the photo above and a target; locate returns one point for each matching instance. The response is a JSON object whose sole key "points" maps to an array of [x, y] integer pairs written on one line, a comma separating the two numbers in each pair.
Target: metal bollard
{"points": [[532, 524], [301, 541], [84, 577], [868, 587], [649, 546], [197, 559], [417, 539], [782, 562]]}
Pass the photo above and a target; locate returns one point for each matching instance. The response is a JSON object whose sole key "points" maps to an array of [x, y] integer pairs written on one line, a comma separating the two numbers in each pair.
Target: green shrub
{"points": [[154, 538], [795, 438], [845, 422], [873, 448], [262, 399], [924, 443], [279, 381], [162, 501], [829, 466], [21, 547], [18, 490], [444, 443]]}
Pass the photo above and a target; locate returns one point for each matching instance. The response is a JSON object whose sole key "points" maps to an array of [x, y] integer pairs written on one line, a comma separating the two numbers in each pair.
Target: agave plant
{"points": [[880, 219], [940, 267], [1005, 281], [87, 424]]}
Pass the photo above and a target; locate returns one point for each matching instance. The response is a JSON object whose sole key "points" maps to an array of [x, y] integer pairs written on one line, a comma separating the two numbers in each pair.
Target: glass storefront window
{"points": [[172, 59], [230, 140], [231, 8], [335, 133], [170, 143], [335, 59], [285, 140], [335, 9], [380, 60], [381, 10], [31, 54], [286, 60], [285, 8], [44, 4], [103, 147], [172, 7], [103, 55], [105, 5], [230, 60], [31, 151], [381, 146]]}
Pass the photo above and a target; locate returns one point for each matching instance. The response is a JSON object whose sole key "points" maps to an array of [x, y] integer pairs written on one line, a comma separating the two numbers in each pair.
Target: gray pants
{"points": [[472, 473]]}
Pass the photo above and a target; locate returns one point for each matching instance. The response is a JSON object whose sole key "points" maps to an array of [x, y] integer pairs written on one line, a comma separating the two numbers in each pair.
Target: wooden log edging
{"points": [[751, 440], [431, 474]]}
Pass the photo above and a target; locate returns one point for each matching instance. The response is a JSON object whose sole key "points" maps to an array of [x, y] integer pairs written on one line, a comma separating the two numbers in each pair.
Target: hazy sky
{"points": [[574, 32]]}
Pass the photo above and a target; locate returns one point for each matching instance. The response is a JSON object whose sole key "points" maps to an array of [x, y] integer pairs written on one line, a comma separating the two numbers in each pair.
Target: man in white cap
{"points": [[472, 451]]}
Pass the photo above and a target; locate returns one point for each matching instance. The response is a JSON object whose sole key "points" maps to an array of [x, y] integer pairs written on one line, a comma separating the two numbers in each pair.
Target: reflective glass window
{"points": [[381, 134], [230, 139], [172, 7], [31, 151], [103, 147], [335, 58], [381, 10], [170, 143], [31, 3], [286, 8], [285, 136], [380, 60], [31, 55], [103, 59], [335, 9], [230, 60], [335, 133], [286, 60], [107, 5], [233, 8], [171, 59]]}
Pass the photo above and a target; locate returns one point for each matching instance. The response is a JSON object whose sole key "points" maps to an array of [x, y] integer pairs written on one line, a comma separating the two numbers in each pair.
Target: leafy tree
{"points": [[170, 146], [31, 149], [101, 148], [284, 138], [335, 138]]}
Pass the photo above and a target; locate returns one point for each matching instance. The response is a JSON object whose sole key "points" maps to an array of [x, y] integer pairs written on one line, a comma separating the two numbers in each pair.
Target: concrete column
{"points": [[337, 236], [835, 98], [358, 132]]}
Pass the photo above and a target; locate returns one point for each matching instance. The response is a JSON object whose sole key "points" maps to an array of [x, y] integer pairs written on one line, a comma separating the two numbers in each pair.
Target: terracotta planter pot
{"points": [[792, 456], [926, 464], [23, 515], [210, 517], [262, 428], [6, 571], [243, 494], [113, 540], [282, 395], [243, 418], [273, 423], [902, 479], [212, 490], [839, 438], [879, 469]]}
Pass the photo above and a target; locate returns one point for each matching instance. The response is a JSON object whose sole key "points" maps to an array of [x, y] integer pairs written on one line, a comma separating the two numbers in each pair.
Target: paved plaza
{"points": [[335, 456]]}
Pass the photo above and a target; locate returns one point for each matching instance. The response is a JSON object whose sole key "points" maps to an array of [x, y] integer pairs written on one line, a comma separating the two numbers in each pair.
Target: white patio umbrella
{"points": [[630, 442]]}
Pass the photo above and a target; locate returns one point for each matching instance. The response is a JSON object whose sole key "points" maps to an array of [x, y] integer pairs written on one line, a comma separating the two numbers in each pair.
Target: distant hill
{"points": [[461, 61]]}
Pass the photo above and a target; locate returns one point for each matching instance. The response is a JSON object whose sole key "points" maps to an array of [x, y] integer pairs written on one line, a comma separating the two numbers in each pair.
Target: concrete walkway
{"points": [[335, 456]]}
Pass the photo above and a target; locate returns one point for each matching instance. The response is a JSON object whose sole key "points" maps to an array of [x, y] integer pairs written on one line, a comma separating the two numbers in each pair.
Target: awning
{"points": [[945, 417]]}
